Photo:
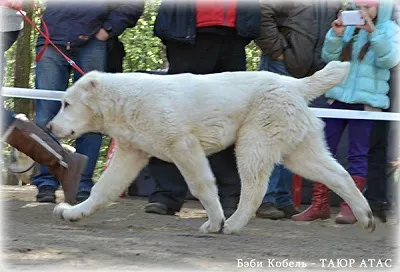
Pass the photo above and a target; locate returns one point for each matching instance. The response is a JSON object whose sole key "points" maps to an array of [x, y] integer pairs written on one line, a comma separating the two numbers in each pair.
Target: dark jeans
{"points": [[52, 73], [280, 182], [212, 53]]}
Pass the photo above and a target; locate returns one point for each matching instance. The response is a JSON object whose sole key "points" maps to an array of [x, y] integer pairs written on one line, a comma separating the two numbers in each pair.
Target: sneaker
{"points": [[158, 208], [289, 211], [47, 193], [82, 196], [268, 210]]}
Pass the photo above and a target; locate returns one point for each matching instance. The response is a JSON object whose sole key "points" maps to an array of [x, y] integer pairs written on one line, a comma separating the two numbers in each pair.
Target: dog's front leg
{"points": [[189, 157], [125, 165]]}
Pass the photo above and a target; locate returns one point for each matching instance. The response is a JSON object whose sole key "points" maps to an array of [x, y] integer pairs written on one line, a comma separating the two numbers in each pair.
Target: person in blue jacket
{"points": [[81, 31], [372, 49]]}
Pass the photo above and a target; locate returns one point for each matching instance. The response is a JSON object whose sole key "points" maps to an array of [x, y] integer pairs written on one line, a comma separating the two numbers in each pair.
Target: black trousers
{"points": [[383, 148], [212, 53], [376, 192]]}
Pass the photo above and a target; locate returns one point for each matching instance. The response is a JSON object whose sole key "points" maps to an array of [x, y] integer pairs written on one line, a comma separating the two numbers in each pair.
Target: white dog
{"points": [[183, 118]]}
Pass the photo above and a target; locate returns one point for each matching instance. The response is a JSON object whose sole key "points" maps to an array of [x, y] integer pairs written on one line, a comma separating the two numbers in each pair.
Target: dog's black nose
{"points": [[72, 132]]}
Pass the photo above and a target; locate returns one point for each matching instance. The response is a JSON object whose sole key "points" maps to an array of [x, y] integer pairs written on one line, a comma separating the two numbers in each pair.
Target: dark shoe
{"points": [[268, 210], [228, 212], [82, 196], [380, 213], [46, 193], [289, 210], [158, 208]]}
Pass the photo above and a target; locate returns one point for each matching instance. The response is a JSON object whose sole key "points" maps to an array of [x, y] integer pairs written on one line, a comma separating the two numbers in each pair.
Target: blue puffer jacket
{"points": [[75, 23], [367, 82]]}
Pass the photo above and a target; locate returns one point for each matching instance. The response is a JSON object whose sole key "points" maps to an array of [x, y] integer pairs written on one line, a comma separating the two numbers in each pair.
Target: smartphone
{"points": [[352, 17]]}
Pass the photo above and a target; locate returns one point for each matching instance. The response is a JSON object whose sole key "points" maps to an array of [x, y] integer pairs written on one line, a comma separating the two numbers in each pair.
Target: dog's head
{"points": [[80, 112]]}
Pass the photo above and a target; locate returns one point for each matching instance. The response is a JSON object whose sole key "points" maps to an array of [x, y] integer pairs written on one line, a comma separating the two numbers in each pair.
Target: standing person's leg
{"points": [[359, 139], [52, 73], [90, 56], [376, 177], [231, 56], [319, 208], [171, 188]]}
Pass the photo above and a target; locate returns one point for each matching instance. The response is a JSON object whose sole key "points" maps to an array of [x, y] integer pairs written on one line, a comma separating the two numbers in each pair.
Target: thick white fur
{"points": [[183, 118]]}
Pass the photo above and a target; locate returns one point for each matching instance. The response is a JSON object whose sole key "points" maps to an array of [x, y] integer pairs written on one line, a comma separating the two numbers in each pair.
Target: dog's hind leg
{"points": [[255, 161], [189, 157], [125, 165], [312, 160]]}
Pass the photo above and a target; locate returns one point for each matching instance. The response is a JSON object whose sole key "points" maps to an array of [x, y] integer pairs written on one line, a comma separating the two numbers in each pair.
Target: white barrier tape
{"points": [[355, 114], [320, 112], [32, 93]]}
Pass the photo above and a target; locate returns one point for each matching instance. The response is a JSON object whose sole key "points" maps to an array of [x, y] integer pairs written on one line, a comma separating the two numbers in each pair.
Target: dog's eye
{"points": [[66, 104]]}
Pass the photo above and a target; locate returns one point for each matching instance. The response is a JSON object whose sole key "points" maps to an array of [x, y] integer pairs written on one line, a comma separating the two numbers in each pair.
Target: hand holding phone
{"points": [[338, 26], [369, 24]]}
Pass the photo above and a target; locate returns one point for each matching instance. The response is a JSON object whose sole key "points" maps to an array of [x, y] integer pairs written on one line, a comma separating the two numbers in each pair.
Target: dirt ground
{"points": [[124, 238]]}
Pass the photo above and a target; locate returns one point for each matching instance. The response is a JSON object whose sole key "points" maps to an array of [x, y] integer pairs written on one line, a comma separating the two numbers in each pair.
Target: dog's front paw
{"points": [[59, 210], [231, 228], [208, 227], [66, 212]]}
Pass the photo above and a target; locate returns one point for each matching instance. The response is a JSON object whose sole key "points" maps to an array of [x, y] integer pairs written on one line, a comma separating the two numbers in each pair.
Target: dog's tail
{"points": [[320, 82]]}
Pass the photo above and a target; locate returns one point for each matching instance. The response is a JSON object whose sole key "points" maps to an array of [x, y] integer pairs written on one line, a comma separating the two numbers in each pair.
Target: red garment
{"points": [[216, 13], [6, 3]]}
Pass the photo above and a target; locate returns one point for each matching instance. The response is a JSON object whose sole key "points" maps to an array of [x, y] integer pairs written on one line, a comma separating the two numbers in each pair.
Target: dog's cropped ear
{"points": [[91, 81], [91, 84]]}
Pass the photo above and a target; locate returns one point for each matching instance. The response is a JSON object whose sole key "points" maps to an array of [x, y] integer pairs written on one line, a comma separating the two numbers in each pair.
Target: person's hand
{"points": [[281, 57], [338, 26], [102, 35], [369, 25], [15, 4]]}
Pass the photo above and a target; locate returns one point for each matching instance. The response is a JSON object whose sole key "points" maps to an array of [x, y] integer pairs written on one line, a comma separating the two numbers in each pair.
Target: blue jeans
{"points": [[52, 73], [280, 181]]}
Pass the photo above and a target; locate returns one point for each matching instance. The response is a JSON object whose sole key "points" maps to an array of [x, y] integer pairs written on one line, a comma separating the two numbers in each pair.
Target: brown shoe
{"points": [[319, 208], [267, 210], [37, 144]]}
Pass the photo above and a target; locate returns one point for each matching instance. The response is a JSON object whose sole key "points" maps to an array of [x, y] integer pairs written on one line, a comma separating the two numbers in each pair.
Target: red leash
{"points": [[46, 36]]}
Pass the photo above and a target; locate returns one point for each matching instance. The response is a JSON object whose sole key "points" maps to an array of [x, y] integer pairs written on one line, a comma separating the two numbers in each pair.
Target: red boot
{"points": [[319, 208], [345, 215]]}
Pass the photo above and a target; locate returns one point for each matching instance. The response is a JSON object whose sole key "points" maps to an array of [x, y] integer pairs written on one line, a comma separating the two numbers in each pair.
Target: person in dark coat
{"points": [[202, 37]]}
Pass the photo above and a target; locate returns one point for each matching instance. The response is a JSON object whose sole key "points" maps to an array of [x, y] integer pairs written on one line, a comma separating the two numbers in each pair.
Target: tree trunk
{"points": [[22, 69]]}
